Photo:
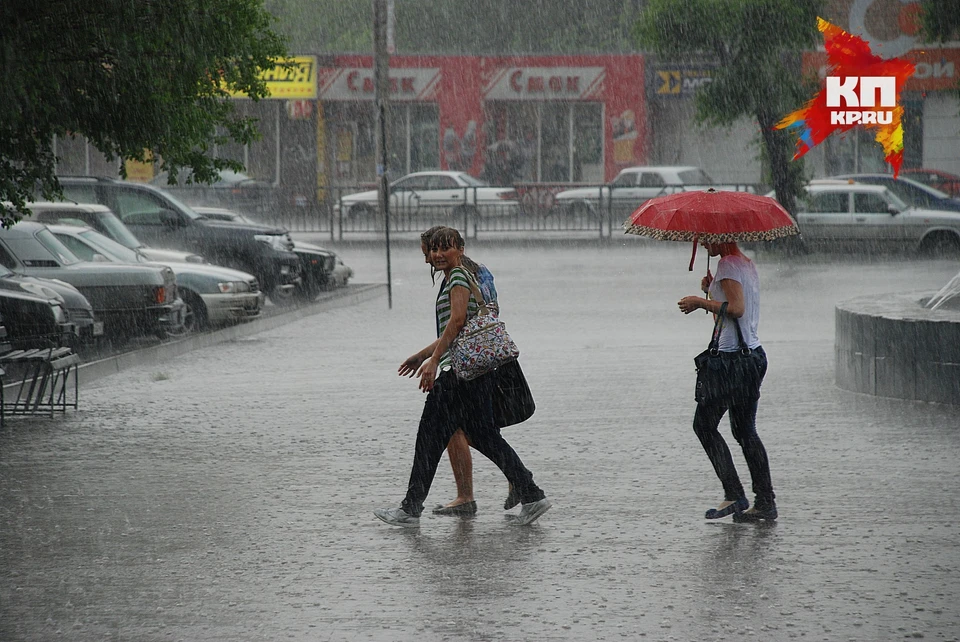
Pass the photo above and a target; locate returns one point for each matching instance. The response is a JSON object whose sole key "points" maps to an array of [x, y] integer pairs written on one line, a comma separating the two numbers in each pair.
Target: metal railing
{"points": [[535, 209]]}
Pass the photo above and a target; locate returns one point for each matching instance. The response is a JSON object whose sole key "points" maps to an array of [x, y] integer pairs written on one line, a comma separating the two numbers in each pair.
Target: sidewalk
{"points": [[228, 494]]}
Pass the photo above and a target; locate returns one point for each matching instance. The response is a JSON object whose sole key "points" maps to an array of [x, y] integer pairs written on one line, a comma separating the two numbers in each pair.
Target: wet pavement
{"points": [[227, 494]]}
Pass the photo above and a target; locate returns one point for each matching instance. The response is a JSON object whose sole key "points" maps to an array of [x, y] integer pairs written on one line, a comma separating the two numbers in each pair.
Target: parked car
{"points": [[100, 218], [453, 193], [873, 217], [212, 295], [320, 268], [635, 185], [33, 321], [910, 191], [130, 299], [78, 310], [157, 218], [233, 190], [944, 181]]}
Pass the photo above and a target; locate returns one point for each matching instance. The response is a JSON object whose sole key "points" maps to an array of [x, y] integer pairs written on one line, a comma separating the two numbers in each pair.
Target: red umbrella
{"points": [[712, 217]]}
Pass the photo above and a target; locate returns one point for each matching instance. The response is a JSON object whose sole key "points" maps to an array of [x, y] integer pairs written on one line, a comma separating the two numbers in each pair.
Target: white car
{"points": [[213, 295], [455, 193], [633, 186], [851, 213]]}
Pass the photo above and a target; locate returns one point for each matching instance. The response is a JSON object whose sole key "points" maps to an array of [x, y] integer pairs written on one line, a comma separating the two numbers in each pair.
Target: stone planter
{"points": [[891, 346]]}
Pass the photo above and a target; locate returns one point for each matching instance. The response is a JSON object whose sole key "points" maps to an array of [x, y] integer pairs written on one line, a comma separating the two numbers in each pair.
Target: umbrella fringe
{"points": [[708, 237]]}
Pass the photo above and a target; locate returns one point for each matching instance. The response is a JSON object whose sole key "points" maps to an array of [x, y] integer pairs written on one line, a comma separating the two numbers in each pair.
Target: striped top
{"points": [[459, 277]]}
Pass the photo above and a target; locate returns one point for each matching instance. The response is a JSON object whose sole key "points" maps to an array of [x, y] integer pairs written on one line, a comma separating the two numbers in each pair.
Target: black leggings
{"points": [[453, 404], [743, 422]]}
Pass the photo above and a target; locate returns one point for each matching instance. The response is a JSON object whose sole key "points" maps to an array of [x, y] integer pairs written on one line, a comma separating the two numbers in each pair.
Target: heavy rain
{"points": [[206, 458]]}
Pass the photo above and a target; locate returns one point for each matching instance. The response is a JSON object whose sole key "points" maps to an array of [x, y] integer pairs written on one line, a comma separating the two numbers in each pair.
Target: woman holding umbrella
{"points": [[718, 220], [735, 294]]}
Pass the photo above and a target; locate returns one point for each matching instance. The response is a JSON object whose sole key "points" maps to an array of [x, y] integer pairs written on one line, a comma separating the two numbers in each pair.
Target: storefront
{"points": [[931, 119], [507, 119]]}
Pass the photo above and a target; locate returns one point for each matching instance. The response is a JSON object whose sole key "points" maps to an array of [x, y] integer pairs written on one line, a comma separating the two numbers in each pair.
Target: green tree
{"points": [[940, 20], [135, 77], [757, 44], [462, 26]]}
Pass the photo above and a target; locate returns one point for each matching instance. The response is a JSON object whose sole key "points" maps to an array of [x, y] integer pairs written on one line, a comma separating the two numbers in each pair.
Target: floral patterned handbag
{"points": [[483, 344]]}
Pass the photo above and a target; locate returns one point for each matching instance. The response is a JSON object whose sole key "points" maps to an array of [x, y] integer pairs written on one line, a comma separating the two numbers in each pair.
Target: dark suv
{"points": [[160, 220]]}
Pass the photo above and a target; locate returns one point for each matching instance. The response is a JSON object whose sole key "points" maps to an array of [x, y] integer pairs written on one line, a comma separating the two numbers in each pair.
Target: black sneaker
{"points": [[512, 499], [754, 514]]}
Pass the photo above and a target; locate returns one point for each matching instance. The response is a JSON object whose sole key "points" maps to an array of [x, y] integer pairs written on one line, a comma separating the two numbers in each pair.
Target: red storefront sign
{"points": [[462, 85]]}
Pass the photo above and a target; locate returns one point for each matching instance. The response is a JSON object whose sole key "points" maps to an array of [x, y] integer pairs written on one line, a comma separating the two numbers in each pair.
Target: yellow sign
{"points": [[299, 81], [140, 172], [669, 82]]}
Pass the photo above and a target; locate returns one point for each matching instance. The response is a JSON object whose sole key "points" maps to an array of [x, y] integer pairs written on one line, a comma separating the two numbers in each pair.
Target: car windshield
{"points": [[108, 247], [695, 177], [473, 182], [893, 199], [183, 206], [53, 245], [120, 232]]}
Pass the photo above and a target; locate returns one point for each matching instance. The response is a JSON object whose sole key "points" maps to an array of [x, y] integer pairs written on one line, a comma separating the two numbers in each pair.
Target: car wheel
{"points": [[194, 314], [941, 245]]}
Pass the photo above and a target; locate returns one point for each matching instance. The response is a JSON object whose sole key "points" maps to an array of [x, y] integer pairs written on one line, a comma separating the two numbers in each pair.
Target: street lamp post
{"points": [[381, 81]]}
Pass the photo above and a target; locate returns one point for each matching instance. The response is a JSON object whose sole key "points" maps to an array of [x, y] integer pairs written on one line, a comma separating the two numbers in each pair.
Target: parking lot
{"points": [[227, 494]]}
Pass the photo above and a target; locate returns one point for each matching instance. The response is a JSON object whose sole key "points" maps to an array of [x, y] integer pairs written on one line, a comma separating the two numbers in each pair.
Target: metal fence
{"points": [[535, 209]]}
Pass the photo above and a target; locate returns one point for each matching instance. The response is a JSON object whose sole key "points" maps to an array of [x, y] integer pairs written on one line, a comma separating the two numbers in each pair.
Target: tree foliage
{"points": [[940, 20], [463, 26], [135, 77], [757, 44]]}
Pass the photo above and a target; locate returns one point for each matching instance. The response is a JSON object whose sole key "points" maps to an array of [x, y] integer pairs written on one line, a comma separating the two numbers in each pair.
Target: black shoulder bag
{"points": [[728, 376]]}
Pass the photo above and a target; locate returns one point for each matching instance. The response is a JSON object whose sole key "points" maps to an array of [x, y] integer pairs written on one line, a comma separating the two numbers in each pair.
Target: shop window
{"points": [[587, 143], [543, 142], [555, 142], [413, 138]]}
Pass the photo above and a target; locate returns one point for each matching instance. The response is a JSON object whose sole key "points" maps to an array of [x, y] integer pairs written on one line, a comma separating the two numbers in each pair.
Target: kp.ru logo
{"points": [[842, 92], [860, 89]]}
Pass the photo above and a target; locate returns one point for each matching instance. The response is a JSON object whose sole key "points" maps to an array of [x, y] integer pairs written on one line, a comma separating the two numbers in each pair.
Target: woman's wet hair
{"points": [[426, 236], [446, 237]]}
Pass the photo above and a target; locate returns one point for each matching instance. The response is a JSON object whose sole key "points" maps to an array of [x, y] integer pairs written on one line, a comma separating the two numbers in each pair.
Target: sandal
{"points": [[467, 508], [727, 508]]}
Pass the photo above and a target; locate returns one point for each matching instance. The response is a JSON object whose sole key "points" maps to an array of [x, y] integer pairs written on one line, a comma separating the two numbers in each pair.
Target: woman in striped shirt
{"points": [[454, 403]]}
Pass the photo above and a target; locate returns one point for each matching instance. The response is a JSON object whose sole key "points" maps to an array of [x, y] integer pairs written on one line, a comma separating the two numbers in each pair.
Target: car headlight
{"points": [[229, 287], [40, 290], [279, 242]]}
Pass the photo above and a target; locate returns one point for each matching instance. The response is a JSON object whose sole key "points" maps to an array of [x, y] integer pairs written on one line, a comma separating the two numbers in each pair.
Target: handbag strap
{"points": [[718, 327], [478, 295]]}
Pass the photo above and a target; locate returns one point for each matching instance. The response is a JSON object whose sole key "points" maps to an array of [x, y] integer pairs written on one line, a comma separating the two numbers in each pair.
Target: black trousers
{"points": [[452, 404], [743, 422]]}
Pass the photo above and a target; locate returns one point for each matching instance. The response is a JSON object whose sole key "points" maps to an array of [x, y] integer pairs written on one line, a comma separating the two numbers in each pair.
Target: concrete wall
{"points": [[890, 346]]}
